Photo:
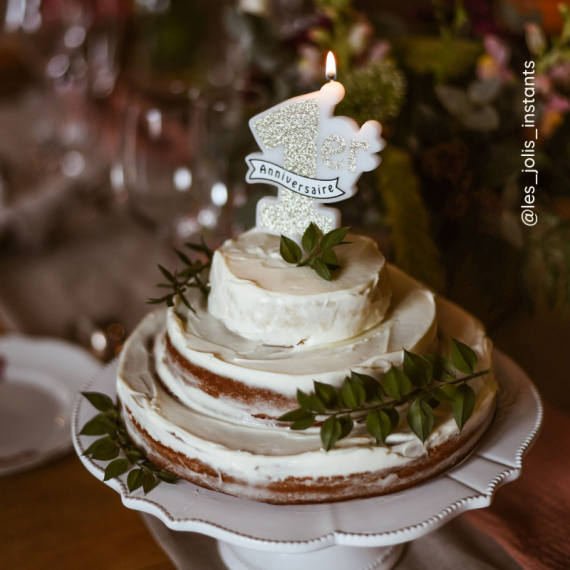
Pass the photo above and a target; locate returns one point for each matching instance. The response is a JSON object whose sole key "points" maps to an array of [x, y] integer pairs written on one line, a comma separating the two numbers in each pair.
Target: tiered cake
{"points": [[201, 392]]}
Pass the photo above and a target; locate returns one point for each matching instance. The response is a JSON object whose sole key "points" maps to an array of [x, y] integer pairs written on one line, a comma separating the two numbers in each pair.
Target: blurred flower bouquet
{"points": [[448, 86]]}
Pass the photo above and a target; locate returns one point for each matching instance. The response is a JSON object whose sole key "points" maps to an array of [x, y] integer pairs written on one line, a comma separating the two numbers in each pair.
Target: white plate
{"points": [[41, 381], [381, 521]]}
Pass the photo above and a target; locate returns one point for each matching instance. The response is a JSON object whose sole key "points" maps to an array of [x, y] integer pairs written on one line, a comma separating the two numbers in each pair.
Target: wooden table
{"points": [[60, 516]]}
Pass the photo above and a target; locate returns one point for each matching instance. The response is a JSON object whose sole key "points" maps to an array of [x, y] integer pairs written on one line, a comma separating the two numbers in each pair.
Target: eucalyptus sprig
{"points": [[426, 380], [321, 256], [116, 439], [179, 282]]}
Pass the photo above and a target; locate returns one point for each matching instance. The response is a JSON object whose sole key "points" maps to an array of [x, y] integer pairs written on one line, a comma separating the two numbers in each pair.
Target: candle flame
{"points": [[330, 72]]}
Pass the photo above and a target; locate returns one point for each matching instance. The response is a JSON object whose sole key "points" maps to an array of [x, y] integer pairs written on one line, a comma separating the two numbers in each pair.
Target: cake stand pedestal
{"points": [[353, 535], [332, 558]]}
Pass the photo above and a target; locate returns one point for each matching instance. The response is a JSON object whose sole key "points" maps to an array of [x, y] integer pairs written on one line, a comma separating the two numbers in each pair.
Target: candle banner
{"points": [[318, 189]]}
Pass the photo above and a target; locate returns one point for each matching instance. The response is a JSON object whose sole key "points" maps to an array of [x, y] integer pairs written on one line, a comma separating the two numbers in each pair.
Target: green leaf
{"points": [[331, 430], [100, 401], [448, 367], [321, 269], [333, 238], [151, 301], [310, 239], [346, 425], [167, 477], [170, 301], [90, 450], [106, 451], [183, 257], [435, 362], [373, 389], [115, 468], [394, 416], [185, 301], [301, 425], [463, 404], [149, 482], [166, 273], [95, 427], [432, 402], [420, 419], [443, 369], [396, 384], [150, 465], [464, 359], [135, 479], [330, 258], [418, 369], [316, 404], [303, 399], [294, 415], [290, 251], [328, 394], [310, 402], [379, 424], [123, 436], [203, 248], [445, 393], [134, 456], [353, 393]]}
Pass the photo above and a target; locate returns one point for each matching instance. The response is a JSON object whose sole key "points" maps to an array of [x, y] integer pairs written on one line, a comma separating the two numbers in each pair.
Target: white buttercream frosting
{"points": [[205, 341], [260, 297], [261, 454]]}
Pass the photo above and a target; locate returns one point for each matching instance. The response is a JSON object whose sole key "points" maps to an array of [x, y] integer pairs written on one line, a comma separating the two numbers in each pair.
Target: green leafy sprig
{"points": [[426, 380], [179, 282], [116, 439], [321, 256]]}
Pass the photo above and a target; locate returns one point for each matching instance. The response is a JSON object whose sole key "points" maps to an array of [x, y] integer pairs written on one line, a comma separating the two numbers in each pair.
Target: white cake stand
{"points": [[354, 535]]}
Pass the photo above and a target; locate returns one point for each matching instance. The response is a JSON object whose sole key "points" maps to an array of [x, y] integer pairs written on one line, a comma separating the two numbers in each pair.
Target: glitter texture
{"points": [[292, 215], [296, 126], [327, 150], [354, 146]]}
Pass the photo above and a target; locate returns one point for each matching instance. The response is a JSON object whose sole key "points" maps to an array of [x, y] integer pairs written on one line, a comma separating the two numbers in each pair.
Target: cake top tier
{"points": [[258, 295]]}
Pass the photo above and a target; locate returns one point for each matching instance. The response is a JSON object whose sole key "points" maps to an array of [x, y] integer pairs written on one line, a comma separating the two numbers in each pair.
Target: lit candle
{"points": [[312, 157]]}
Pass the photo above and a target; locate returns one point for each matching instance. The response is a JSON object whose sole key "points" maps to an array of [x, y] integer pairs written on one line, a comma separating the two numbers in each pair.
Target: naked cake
{"points": [[202, 391]]}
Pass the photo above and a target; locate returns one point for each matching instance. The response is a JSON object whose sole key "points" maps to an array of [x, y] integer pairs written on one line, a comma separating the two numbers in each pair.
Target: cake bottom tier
{"points": [[311, 490], [281, 466]]}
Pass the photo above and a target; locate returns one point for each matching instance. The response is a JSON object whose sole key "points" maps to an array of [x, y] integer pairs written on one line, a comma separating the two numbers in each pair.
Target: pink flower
{"points": [[560, 73], [359, 36], [379, 51], [543, 84], [553, 115], [498, 50], [493, 64], [557, 103]]}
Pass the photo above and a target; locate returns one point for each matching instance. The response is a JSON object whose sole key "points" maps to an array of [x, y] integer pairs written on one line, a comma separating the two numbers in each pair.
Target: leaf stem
{"points": [[410, 396]]}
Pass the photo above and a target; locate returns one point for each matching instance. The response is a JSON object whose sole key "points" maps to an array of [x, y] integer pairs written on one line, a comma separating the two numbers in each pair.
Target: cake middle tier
{"points": [[210, 368], [259, 296]]}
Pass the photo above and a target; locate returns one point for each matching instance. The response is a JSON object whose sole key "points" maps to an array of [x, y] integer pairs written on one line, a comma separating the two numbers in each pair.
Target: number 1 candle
{"points": [[312, 157]]}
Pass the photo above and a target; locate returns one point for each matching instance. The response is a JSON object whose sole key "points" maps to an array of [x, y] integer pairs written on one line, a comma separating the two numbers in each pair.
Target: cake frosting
{"points": [[206, 342], [259, 456], [201, 392], [255, 293]]}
